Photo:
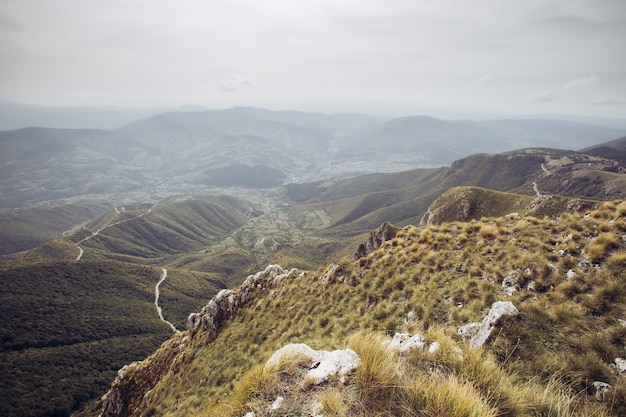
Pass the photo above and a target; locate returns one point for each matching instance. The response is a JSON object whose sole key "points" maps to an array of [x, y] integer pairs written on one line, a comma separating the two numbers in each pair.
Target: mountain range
{"points": [[189, 151]]}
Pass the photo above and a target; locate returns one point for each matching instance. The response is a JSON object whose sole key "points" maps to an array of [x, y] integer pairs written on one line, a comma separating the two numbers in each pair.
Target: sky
{"points": [[393, 57]]}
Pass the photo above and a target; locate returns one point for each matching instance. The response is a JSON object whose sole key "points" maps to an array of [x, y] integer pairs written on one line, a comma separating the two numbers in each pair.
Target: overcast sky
{"points": [[385, 56]]}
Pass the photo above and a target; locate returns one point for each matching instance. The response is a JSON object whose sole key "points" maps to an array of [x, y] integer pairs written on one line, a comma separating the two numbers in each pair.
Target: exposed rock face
{"points": [[480, 333], [385, 232], [214, 315], [130, 392], [404, 342]]}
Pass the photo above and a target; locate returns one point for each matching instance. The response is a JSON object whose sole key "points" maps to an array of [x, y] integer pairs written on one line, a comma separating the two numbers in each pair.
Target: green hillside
{"points": [[92, 288]]}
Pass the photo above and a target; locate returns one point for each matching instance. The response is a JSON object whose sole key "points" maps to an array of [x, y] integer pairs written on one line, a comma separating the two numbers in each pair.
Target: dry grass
{"points": [[542, 364]]}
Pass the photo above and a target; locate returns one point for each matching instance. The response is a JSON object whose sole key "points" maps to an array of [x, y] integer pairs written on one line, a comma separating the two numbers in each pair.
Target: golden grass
{"points": [[541, 364]]}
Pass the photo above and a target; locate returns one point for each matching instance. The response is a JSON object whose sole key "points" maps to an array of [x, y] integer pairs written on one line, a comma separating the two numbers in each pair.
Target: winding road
{"points": [[81, 251], [156, 300]]}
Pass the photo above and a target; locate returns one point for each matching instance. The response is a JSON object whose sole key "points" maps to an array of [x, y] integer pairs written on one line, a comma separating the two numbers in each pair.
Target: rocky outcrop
{"points": [[131, 390], [480, 333], [216, 313], [383, 233]]}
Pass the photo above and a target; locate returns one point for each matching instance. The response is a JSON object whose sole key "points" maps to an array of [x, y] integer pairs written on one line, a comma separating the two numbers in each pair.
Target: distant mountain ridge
{"points": [[181, 150]]}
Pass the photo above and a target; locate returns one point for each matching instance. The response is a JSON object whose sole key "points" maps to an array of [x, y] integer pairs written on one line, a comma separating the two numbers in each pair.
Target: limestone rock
{"points": [[602, 390], [278, 402], [570, 275], [323, 364], [511, 283], [469, 330], [480, 333], [385, 232], [404, 342], [213, 316]]}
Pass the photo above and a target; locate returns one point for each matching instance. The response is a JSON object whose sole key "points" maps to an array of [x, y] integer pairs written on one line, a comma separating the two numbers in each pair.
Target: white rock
{"points": [[434, 347], [469, 329], [323, 364], [250, 414], [498, 310], [404, 342], [602, 390], [278, 402], [570, 275], [411, 317], [620, 364]]}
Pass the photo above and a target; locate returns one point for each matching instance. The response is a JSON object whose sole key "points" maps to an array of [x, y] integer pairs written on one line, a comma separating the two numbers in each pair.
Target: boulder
{"points": [[480, 333], [323, 364], [602, 390], [404, 342]]}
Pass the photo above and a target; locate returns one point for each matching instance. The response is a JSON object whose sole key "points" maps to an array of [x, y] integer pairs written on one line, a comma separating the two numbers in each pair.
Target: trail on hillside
{"points": [[94, 234], [157, 293], [536, 188]]}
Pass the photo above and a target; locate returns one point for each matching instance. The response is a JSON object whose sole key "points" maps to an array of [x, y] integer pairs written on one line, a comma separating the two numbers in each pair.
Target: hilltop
{"points": [[559, 352]]}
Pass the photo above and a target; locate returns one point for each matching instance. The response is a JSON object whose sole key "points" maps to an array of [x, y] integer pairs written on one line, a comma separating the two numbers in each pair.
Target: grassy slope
{"points": [[447, 276], [473, 203]]}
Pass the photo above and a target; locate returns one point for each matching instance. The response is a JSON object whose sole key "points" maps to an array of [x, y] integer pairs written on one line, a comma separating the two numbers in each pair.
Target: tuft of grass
{"points": [[334, 403], [376, 376]]}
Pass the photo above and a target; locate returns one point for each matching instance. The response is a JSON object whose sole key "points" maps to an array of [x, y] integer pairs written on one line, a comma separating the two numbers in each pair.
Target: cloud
{"points": [[545, 97], [580, 82], [487, 79], [607, 101], [234, 83]]}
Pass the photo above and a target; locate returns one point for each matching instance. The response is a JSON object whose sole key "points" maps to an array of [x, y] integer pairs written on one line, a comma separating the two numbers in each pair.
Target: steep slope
{"points": [[170, 228], [560, 355]]}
